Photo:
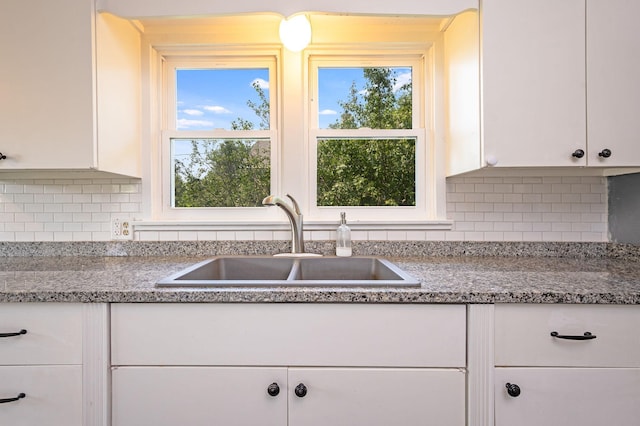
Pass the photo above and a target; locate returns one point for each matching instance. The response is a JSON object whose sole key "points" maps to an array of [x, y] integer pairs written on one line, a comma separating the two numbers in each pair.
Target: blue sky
{"points": [[210, 99]]}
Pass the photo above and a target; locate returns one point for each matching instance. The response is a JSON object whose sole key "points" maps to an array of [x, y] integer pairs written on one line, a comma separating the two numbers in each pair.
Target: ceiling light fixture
{"points": [[295, 32]]}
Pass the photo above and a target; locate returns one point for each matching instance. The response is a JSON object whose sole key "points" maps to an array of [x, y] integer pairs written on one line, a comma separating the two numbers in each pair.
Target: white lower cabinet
{"points": [[288, 364], [170, 396], [41, 395], [53, 366], [41, 364], [567, 396], [376, 397], [559, 365], [279, 396]]}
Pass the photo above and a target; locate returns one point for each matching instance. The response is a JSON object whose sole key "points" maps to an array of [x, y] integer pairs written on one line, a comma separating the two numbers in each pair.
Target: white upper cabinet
{"points": [[50, 115], [533, 82], [613, 86], [558, 86]]}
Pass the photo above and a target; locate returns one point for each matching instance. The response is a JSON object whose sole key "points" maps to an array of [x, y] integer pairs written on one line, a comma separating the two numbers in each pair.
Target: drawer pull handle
{"points": [[21, 332], [273, 389], [513, 390], [20, 396], [585, 336], [300, 390]]}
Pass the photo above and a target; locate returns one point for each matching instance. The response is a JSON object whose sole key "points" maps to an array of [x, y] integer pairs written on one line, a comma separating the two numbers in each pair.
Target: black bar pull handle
{"points": [[19, 333], [585, 336], [5, 400]]}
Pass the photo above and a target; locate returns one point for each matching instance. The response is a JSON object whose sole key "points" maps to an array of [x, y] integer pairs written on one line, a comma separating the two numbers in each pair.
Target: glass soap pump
{"points": [[343, 237]]}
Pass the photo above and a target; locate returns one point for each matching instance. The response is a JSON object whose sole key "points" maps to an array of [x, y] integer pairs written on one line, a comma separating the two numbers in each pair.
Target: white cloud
{"points": [[216, 109], [263, 84], [193, 112], [185, 123], [401, 80], [328, 112]]}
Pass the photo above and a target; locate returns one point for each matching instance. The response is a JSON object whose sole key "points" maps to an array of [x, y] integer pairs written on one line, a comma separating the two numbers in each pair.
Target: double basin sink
{"points": [[274, 271]]}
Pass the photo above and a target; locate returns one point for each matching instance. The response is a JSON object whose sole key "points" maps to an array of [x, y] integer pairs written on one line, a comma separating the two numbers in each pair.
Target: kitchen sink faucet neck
{"points": [[295, 218]]}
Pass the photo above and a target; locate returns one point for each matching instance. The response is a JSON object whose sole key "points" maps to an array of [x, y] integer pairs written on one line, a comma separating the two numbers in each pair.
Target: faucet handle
{"points": [[296, 207]]}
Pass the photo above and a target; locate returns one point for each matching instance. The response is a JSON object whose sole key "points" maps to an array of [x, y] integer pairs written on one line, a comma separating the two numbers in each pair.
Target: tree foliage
{"points": [[228, 173], [370, 172], [351, 172]]}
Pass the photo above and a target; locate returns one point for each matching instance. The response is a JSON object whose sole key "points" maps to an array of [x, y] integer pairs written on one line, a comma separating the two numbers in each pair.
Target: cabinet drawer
{"points": [[523, 335], [53, 395], [53, 333], [289, 334]]}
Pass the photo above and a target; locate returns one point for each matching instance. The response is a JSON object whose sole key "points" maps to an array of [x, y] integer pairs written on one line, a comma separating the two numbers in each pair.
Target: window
{"points": [[345, 125], [367, 136], [219, 135]]}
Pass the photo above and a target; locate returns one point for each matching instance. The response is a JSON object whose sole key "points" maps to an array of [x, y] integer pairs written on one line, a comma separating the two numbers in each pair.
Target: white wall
{"points": [[484, 209]]}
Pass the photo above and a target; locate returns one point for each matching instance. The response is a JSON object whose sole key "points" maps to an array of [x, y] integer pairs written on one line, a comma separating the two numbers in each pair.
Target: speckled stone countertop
{"points": [[444, 279]]}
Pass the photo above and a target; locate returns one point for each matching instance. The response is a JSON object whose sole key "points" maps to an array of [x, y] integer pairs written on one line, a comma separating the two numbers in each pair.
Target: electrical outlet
{"points": [[121, 229]]}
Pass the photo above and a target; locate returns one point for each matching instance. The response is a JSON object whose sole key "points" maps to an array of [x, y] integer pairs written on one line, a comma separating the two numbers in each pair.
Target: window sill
{"points": [[432, 225]]}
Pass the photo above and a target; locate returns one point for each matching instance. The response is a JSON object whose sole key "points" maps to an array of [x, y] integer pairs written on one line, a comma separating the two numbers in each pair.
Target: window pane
{"points": [[220, 172], [231, 99], [366, 172], [353, 98]]}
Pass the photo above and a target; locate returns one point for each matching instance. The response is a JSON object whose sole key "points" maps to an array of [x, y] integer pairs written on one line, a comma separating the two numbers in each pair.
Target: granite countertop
{"points": [[449, 279]]}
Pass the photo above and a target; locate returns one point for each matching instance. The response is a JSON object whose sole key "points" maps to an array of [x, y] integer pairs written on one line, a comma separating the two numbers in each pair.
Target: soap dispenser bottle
{"points": [[343, 237]]}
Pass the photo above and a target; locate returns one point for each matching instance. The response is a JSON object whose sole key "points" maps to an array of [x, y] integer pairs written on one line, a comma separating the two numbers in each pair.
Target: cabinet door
{"points": [[170, 396], [376, 397], [613, 68], [46, 84], [53, 395], [563, 396], [533, 76]]}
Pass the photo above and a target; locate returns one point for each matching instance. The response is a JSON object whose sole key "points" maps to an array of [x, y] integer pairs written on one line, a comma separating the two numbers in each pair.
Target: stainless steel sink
{"points": [[268, 271]]}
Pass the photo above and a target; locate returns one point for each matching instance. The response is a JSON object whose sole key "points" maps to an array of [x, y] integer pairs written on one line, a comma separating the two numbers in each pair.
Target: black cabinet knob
{"points": [[605, 153], [513, 389], [301, 390], [2, 156], [578, 153], [273, 389]]}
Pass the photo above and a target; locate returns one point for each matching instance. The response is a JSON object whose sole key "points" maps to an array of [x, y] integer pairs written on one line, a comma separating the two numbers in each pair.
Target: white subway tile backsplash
{"points": [[528, 208], [187, 236], [397, 235]]}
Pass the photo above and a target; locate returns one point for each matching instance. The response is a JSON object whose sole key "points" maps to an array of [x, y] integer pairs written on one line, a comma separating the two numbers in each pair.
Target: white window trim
{"points": [[163, 204], [156, 48], [413, 57]]}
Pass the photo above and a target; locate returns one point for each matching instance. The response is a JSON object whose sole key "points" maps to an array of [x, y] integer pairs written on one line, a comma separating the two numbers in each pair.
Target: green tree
{"points": [[370, 172], [351, 172], [227, 172]]}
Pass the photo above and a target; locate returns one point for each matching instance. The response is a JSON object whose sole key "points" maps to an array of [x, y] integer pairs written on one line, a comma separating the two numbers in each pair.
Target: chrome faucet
{"points": [[295, 217]]}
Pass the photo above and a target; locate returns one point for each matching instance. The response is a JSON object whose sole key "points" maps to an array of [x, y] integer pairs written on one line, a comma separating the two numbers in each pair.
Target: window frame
{"points": [[362, 57], [212, 59]]}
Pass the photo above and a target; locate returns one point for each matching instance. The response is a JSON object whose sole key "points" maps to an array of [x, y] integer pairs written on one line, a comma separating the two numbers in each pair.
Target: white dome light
{"points": [[295, 32]]}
